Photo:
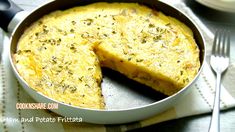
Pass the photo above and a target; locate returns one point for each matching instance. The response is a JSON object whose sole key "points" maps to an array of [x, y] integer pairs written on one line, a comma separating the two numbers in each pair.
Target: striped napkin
{"points": [[198, 101]]}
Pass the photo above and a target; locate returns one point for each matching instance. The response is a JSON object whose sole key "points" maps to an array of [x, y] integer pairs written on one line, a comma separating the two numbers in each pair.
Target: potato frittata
{"points": [[60, 55]]}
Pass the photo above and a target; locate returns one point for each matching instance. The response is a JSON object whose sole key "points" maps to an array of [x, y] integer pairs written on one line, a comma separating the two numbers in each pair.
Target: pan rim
{"points": [[115, 110]]}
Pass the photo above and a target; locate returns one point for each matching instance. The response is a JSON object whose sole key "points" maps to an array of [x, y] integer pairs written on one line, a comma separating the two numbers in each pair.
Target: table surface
{"points": [[200, 123]]}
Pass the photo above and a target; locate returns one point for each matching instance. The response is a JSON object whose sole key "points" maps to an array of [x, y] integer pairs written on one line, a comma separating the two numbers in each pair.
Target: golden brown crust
{"points": [[60, 55]]}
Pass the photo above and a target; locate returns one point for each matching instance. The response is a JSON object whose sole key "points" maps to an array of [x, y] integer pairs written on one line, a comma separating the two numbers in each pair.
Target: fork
{"points": [[219, 62]]}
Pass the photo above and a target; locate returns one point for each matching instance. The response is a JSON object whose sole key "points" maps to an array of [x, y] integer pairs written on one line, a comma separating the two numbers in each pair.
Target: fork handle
{"points": [[215, 120]]}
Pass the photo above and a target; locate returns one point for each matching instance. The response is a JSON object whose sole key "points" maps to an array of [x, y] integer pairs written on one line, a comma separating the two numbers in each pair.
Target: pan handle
{"points": [[8, 10]]}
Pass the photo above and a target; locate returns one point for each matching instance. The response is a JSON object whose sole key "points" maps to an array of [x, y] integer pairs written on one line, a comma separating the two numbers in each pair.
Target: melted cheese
{"points": [[60, 55]]}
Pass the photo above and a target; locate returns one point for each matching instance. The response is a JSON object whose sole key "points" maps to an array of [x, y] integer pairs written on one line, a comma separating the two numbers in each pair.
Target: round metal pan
{"points": [[126, 100]]}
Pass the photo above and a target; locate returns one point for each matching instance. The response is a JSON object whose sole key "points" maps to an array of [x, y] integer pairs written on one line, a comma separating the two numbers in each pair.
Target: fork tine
{"points": [[226, 44], [221, 42], [214, 49], [227, 52]]}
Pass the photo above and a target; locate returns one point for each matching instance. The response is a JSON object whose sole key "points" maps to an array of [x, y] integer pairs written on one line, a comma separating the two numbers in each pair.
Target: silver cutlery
{"points": [[219, 62]]}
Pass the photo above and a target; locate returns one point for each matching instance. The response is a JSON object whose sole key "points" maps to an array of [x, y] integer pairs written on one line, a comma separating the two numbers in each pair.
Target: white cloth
{"points": [[198, 101]]}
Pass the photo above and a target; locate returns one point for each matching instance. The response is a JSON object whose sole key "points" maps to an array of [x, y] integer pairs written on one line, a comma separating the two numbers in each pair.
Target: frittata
{"points": [[60, 55]]}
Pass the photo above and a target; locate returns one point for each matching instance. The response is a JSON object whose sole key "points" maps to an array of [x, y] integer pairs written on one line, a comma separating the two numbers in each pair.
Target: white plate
{"points": [[222, 5]]}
